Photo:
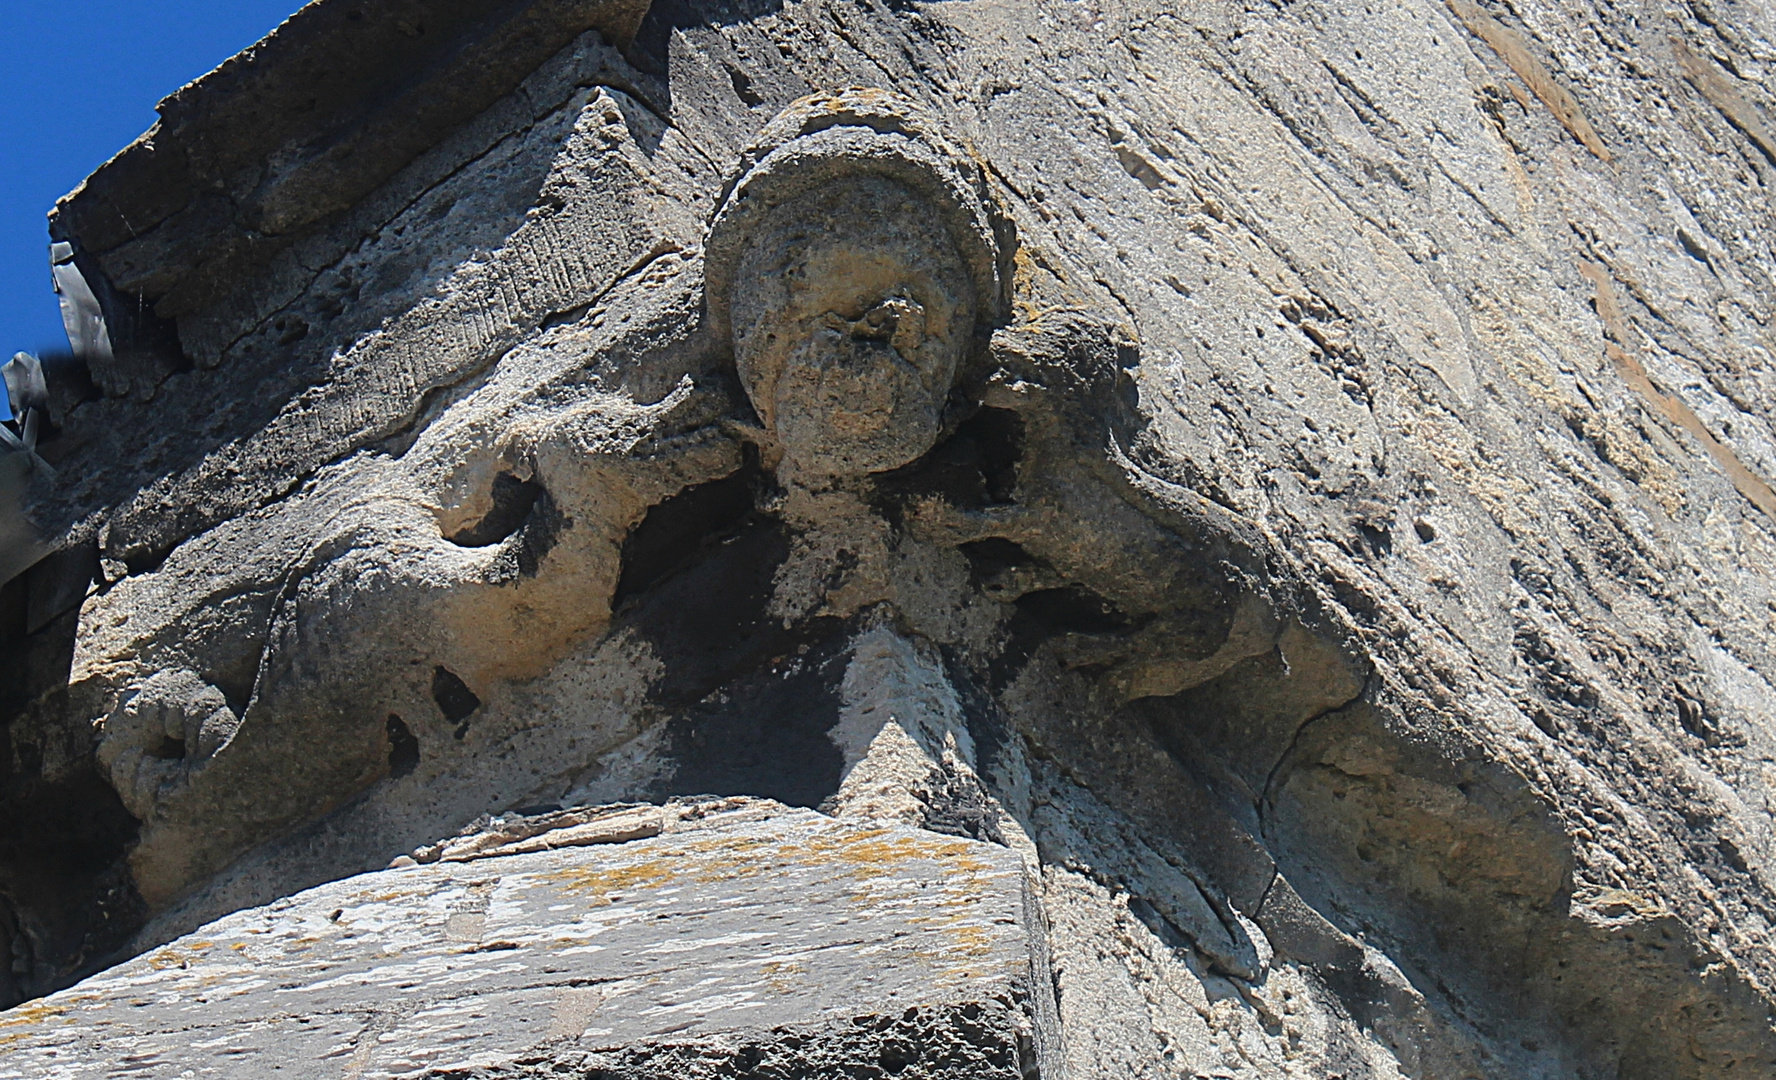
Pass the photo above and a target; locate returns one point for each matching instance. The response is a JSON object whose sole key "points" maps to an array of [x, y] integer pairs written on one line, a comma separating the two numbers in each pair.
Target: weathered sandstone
{"points": [[1293, 480]]}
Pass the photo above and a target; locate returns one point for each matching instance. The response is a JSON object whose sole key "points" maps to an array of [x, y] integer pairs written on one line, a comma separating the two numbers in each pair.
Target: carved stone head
{"points": [[852, 266]]}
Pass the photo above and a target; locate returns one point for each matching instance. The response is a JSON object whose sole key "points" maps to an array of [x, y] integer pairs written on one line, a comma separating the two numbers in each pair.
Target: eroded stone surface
{"points": [[748, 932], [1340, 561]]}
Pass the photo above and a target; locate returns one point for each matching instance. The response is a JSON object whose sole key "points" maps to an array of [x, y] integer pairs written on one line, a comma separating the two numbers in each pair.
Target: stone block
{"points": [[746, 939]]}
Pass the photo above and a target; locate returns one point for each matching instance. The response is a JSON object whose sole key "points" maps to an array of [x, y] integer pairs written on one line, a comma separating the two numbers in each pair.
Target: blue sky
{"points": [[79, 80]]}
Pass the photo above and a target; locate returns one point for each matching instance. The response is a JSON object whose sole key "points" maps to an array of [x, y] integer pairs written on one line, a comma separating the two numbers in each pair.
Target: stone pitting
{"points": [[748, 930], [1293, 480]]}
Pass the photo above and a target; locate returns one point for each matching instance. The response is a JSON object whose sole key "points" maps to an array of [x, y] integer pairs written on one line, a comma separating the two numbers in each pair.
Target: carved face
{"points": [[851, 310]]}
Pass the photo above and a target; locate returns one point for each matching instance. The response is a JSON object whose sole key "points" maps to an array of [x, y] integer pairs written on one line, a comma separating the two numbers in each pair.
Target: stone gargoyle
{"points": [[882, 455], [851, 509]]}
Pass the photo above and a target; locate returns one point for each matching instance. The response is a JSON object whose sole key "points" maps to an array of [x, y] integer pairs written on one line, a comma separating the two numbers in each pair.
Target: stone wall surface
{"points": [[1293, 477], [748, 933]]}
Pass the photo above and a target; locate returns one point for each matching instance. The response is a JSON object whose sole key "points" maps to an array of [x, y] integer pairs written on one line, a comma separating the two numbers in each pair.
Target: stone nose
{"points": [[867, 366], [896, 320]]}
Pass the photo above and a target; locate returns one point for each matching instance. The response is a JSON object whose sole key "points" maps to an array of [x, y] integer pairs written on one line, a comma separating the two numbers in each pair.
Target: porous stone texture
{"points": [[749, 939], [1294, 476]]}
